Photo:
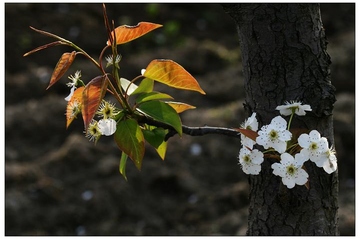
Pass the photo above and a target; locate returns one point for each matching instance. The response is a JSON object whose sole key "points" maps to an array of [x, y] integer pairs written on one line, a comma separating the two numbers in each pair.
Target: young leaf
{"points": [[180, 107], [61, 67], [144, 97], [74, 105], [248, 133], [122, 165], [162, 112], [161, 149], [43, 47], [172, 74], [130, 140], [92, 95], [146, 85], [155, 138], [127, 33]]}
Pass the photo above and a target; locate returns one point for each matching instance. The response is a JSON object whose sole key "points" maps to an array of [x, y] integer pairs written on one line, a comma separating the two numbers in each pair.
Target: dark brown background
{"points": [[59, 183]]}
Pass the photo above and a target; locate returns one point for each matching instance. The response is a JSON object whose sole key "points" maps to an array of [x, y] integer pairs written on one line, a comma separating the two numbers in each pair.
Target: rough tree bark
{"points": [[283, 49]]}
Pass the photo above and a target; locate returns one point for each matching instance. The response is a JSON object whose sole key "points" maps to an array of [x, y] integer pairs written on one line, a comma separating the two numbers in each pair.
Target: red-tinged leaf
{"points": [[92, 95], [127, 33], [180, 107], [248, 133], [172, 74], [130, 140], [50, 35], [61, 67], [74, 106], [43, 47]]}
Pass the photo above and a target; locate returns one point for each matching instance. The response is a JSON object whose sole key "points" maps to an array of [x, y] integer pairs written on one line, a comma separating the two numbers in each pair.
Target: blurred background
{"points": [[59, 183]]}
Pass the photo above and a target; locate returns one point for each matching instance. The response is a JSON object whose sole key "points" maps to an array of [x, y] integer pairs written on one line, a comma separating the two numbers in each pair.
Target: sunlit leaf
{"points": [[152, 96], [146, 85], [74, 105], [61, 67], [122, 165], [180, 107], [127, 33], [155, 138], [92, 95], [162, 112], [130, 139], [161, 150], [248, 133], [172, 74], [128, 86]]}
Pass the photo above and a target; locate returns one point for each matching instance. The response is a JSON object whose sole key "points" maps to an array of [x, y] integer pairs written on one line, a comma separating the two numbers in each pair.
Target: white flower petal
{"points": [[301, 177], [278, 169], [68, 98], [289, 182], [330, 166], [314, 136], [107, 127], [304, 140]]}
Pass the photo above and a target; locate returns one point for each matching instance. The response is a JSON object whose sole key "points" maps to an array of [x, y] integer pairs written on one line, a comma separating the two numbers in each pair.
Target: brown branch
{"points": [[192, 131]]}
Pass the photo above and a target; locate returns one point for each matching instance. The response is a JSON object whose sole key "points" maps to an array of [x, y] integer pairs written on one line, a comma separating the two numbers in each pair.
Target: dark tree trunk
{"points": [[284, 57]]}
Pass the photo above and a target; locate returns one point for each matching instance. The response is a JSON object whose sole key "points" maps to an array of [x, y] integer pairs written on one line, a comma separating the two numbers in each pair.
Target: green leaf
{"points": [[146, 85], [122, 165], [155, 138], [162, 112], [161, 150], [144, 97], [130, 139]]}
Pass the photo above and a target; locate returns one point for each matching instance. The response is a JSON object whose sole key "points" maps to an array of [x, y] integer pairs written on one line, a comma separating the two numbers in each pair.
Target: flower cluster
{"points": [[276, 138], [105, 126], [107, 111]]}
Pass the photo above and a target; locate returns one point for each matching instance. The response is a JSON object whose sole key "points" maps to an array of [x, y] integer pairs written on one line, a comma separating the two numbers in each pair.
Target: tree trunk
{"points": [[284, 58]]}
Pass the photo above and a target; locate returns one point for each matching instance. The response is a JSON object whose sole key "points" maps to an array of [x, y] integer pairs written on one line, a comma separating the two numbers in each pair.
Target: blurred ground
{"points": [[58, 183]]}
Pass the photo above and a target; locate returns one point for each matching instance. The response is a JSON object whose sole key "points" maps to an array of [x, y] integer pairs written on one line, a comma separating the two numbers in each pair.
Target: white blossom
{"points": [[251, 160], [290, 170], [293, 107], [330, 165], [274, 135], [251, 124], [314, 146]]}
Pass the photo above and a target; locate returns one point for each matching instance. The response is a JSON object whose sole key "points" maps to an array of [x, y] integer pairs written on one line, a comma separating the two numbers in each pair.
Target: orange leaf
{"points": [[61, 67], [74, 106], [92, 95], [127, 33], [248, 133], [180, 107], [171, 74]]}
